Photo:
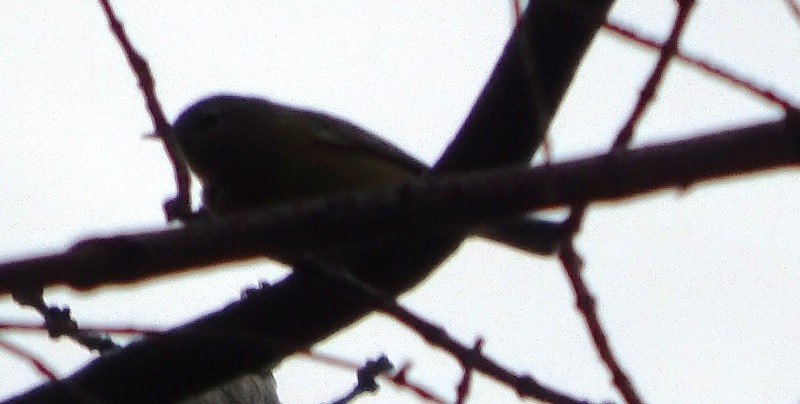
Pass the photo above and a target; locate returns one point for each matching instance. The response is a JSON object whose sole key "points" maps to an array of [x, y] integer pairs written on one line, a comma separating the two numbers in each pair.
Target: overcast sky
{"points": [[698, 290]]}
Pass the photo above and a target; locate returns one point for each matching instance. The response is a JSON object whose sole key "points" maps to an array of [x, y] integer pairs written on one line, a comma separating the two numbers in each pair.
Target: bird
{"points": [[250, 153]]}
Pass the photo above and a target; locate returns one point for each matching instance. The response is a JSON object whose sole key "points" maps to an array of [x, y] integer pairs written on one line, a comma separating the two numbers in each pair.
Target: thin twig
{"points": [[649, 90], [180, 206], [516, 10], [571, 261], [122, 330], [794, 8], [401, 379], [37, 363], [59, 322], [462, 391], [524, 385], [366, 379], [706, 66], [401, 382]]}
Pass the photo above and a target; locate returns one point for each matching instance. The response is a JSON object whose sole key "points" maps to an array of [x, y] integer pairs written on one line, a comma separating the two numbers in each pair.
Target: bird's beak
{"points": [[152, 136]]}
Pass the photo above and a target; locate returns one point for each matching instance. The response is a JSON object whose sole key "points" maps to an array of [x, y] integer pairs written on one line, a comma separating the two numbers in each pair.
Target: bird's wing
{"points": [[339, 133]]}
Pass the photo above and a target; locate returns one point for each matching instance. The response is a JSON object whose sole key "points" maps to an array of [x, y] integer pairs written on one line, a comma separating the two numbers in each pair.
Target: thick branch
{"points": [[436, 207], [509, 119]]}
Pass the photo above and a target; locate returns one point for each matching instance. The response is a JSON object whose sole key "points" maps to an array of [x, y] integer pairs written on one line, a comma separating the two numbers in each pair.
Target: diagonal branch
{"points": [[571, 261]]}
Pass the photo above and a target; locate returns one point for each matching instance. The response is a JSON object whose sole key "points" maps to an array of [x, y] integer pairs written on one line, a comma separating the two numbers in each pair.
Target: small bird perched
{"points": [[252, 153]]}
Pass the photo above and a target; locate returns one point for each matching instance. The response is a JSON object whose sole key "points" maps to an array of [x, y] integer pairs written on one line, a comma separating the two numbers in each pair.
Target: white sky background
{"points": [[698, 290]]}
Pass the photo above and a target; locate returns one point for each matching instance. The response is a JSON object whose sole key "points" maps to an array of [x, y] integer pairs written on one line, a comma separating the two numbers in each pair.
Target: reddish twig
{"points": [[669, 49], [466, 379], [569, 258], [703, 65], [37, 363], [524, 386], [331, 360], [10, 326], [402, 381], [794, 8], [587, 306], [516, 10], [180, 206], [366, 375], [123, 330]]}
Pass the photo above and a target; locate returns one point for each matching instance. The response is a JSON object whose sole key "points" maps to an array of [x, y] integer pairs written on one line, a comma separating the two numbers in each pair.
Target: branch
{"points": [[706, 66], [571, 261], [180, 206], [438, 206], [510, 117]]}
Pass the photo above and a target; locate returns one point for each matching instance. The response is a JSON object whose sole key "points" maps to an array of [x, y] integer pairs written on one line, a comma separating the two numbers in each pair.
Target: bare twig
{"points": [[706, 66], [794, 8], [462, 391], [401, 378], [571, 261], [647, 93], [470, 358], [366, 379], [180, 206], [516, 10], [401, 382], [122, 330], [29, 357], [59, 322]]}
